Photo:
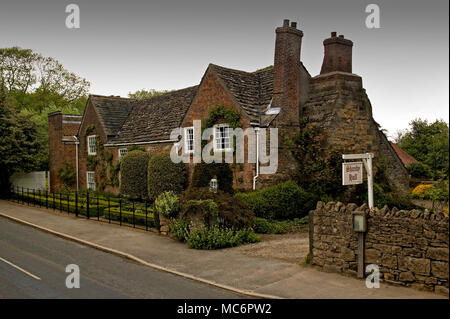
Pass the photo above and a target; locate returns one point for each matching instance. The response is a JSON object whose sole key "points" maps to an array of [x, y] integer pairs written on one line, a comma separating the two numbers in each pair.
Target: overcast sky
{"points": [[123, 46]]}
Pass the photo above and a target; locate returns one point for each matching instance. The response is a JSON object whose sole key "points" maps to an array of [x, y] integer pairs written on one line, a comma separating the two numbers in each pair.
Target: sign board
{"points": [[359, 222], [352, 173]]}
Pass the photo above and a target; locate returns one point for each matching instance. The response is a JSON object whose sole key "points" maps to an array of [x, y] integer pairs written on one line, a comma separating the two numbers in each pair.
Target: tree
{"points": [[38, 85], [429, 144], [144, 94], [24, 71], [18, 144]]}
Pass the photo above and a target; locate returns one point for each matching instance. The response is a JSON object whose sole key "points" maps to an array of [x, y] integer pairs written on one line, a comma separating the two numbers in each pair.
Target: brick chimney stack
{"points": [[338, 54], [286, 82]]}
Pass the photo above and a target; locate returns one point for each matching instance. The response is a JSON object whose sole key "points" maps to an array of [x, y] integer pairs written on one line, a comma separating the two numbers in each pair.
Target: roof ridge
{"points": [[112, 97]]}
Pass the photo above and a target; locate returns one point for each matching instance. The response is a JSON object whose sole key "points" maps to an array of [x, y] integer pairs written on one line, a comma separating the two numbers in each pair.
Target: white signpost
{"points": [[352, 174]]}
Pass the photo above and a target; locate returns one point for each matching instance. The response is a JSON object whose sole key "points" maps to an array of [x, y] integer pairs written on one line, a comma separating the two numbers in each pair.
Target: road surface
{"points": [[33, 265]]}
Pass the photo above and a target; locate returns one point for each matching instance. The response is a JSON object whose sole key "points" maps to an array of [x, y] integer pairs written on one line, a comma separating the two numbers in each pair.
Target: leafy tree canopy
{"points": [[144, 94], [37, 85], [429, 144]]}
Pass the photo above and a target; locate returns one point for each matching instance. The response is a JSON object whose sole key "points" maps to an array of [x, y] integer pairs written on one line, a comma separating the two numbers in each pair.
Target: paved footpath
{"points": [[225, 267]]}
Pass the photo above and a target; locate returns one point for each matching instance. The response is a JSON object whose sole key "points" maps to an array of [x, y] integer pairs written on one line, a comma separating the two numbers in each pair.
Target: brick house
{"points": [[275, 97]]}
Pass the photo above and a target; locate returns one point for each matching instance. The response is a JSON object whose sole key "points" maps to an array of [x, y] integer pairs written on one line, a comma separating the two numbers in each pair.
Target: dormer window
{"points": [[92, 150], [222, 140]]}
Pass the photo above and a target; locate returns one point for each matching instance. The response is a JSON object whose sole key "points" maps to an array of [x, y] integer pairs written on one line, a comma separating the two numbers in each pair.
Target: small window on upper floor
{"points": [[189, 139], [222, 140], [92, 149], [122, 152]]}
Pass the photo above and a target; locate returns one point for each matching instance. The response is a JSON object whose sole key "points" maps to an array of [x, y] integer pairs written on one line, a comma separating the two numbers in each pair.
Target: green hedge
{"points": [[419, 170], [70, 205], [264, 226], [215, 237], [164, 175], [127, 216], [282, 201], [133, 174]]}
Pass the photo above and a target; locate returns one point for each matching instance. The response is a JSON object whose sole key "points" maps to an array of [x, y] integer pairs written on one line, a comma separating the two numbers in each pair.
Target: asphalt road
{"points": [[33, 264]]}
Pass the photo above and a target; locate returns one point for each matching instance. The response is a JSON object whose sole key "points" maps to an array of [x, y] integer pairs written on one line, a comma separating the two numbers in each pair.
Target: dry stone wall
{"points": [[410, 247]]}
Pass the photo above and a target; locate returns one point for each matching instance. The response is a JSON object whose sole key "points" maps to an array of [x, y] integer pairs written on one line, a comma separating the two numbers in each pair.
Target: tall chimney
{"points": [[338, 54], [286, 82]]}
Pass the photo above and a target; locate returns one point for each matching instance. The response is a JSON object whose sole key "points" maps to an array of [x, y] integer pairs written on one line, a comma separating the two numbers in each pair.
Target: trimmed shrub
{"points": [[419, 170], [133, 174], [167, 204], [282, 201], [164, 175], [232, 211], [203, 173], [215, 237]]}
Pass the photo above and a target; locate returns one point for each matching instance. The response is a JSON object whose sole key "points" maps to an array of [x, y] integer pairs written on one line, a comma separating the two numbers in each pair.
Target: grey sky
{"points": [[124, 46]]}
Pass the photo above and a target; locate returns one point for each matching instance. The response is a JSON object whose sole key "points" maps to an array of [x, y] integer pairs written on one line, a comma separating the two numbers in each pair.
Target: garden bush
{"points": [[206, 210], [419, 170], [203, 173], [264, 226], [282, 201], [167, 204], [133, 174], [164, 175], [180, 229], [422, 191], [232, 211], [215, 237]]}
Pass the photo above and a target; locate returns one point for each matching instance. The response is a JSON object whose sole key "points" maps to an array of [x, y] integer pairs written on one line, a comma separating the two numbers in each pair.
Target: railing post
{"points": [[28, 197], [23, 198], [39, 194], [120, 212], [46, 198], [60, 202], [109, 211], [146, 217], [76, 204], [68, 201], [98, 210], [134, 224], [87, 204]]}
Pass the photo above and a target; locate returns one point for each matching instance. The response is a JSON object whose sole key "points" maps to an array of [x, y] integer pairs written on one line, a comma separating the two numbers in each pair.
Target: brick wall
{"points": [[61, 129], [410, 247], [211, 94]]}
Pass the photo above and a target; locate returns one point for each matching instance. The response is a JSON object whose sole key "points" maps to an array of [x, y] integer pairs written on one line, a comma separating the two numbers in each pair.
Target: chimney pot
{"points": [[341, 36], [333, 34], [285, 22], [293, 24]]}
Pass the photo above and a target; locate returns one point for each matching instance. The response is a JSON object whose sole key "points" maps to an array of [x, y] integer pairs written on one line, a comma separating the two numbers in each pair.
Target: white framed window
{"points": [[122, 152], [189, 139], [222, 140], [90, 180], [92, 149]]}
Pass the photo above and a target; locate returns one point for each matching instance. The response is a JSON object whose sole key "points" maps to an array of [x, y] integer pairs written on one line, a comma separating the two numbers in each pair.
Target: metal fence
{"points": [[89, 205]]}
